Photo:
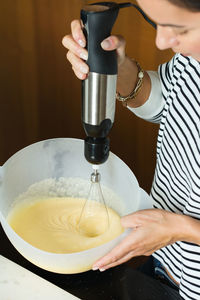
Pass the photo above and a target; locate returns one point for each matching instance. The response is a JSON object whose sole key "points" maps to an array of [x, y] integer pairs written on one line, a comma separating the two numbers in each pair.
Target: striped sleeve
{"points": [[176, 184]]}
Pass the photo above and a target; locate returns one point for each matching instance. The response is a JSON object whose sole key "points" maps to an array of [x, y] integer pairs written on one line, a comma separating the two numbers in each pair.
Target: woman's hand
{"points": [[77, 54], [152, 229]]}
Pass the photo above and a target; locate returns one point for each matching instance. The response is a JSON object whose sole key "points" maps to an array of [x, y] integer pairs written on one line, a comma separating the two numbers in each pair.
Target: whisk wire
{"points": [[94, 207]]}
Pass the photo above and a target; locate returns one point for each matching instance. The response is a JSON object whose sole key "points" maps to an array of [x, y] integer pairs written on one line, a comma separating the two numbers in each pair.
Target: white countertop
{"points": [[17, 283]]}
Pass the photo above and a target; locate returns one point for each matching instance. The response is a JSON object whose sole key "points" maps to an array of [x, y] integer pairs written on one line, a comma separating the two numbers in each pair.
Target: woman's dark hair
{"points": [[192, 5]]}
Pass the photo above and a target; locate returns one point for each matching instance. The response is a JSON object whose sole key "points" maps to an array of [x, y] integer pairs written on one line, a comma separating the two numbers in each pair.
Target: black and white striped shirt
{"points": [[176, 185]]}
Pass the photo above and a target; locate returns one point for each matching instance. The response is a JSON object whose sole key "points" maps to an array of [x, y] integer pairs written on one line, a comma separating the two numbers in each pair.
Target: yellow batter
{"points": [[51, 224]]}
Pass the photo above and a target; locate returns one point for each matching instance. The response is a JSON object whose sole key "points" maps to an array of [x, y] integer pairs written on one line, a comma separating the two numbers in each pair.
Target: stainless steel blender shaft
{"points": [[99, 98]]}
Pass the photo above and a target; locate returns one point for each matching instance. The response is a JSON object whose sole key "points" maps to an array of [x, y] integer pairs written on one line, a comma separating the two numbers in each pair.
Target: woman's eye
{"points": [[183, 32]]}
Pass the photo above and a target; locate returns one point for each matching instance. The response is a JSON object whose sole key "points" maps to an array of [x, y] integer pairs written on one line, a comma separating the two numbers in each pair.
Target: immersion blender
{"points": [[99, 90], [98, 101]]}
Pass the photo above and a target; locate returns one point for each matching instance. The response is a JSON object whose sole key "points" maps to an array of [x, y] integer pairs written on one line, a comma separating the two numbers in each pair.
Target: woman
{"points": [[171, 96]]}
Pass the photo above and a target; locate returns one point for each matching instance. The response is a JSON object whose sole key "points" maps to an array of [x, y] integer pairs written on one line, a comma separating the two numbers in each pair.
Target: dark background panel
{"points": [[40, 96]]}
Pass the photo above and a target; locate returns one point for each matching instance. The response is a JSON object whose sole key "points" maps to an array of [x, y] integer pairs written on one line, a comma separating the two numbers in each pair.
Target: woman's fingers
{"points": [[131, 221], [77, 54], [78, 64], [77, 33], [150, 232], [117, 262], [69, 43], [78, 74], [115, 42], [124, 249]]}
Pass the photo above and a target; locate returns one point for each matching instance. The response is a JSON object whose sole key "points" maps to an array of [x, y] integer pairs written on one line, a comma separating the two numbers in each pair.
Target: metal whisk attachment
{"points": [[94, 218]]}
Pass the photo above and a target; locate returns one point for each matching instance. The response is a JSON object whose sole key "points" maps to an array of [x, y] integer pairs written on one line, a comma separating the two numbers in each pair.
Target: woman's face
{"points": [[177, 28]]}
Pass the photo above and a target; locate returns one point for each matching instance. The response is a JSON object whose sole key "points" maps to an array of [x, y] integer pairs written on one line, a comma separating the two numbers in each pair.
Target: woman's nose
{"points": [[165, 38]]}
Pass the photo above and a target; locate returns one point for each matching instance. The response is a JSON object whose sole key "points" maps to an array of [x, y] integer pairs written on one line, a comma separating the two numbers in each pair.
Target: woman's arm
{"points": [[126, 82], [152, 229]]}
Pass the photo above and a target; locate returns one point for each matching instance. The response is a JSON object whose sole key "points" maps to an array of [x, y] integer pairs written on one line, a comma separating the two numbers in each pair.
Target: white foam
{"points": [[69, 187]]}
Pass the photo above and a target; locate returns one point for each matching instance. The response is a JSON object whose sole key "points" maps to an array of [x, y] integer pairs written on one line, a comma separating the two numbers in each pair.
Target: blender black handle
{"points": [[98, 20]]}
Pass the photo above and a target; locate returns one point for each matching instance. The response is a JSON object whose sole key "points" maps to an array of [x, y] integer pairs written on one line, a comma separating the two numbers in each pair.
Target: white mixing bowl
{"points": [[56, 158]]}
